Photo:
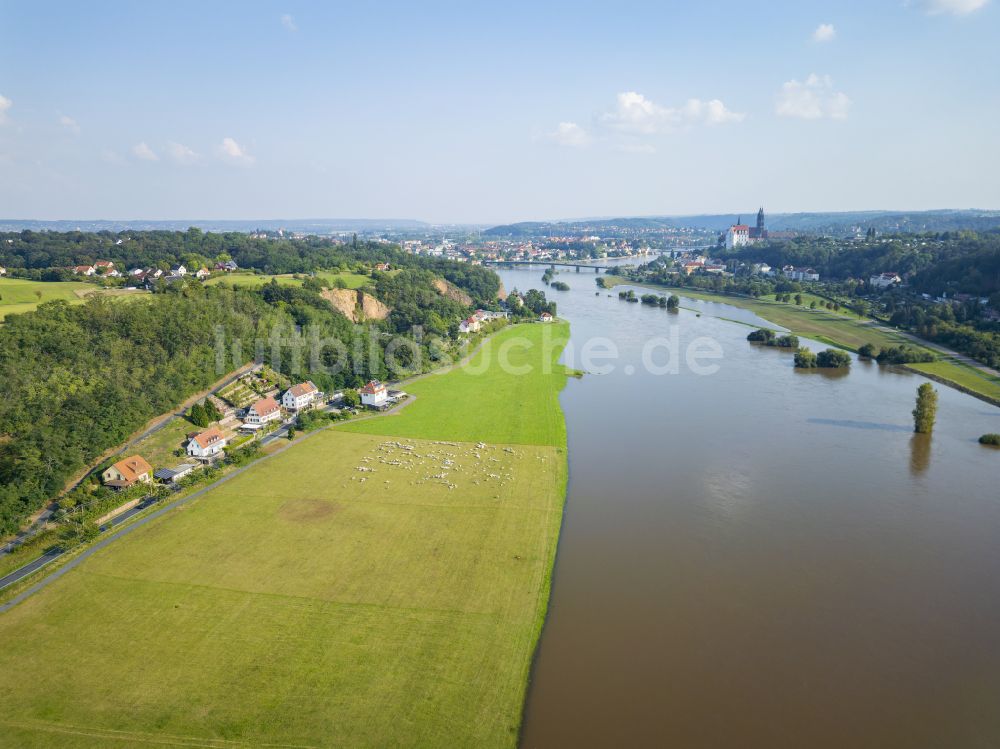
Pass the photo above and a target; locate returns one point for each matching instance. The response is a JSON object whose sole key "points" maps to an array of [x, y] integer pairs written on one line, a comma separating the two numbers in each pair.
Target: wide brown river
{"points": [[763, 557]]}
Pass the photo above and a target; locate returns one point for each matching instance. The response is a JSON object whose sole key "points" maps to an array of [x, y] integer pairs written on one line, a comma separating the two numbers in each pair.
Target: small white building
{"points": [[202, 273], [374, 394], [207, 445], [3, 271], [261, 412], [545, 317], [300, 396], [84, 270], [884, 280], [180, 270]]}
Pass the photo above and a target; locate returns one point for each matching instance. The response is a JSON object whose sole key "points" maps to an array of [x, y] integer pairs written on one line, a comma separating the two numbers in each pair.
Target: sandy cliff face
{"points": [[450, 290], [356, 305]]}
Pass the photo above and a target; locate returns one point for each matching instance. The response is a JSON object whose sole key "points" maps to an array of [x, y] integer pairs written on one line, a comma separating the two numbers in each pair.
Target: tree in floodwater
{"points": [[926, 410]]}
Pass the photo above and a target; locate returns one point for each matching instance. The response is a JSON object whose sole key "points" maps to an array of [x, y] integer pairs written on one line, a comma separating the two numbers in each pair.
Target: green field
{"points": [[307, 602], [18, 295], [352, 280], [474, 402]]}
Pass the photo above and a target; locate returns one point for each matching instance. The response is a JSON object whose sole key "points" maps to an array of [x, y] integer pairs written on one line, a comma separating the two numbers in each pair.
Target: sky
{"points": [[459, 112]]}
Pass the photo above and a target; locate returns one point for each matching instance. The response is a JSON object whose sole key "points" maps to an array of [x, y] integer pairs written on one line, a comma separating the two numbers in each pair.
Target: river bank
{"points": [[847, 332]]}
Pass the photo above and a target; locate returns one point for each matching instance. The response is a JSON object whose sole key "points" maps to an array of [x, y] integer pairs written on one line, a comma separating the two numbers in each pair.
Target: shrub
{"points": [[833, 359], [990, 439], [805, 359], [903, 355], [761, 335], [867, 351], [787, 341]]}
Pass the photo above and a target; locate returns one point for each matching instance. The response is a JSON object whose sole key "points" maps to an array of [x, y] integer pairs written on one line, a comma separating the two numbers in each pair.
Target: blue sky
{"points": [[468, 112]]}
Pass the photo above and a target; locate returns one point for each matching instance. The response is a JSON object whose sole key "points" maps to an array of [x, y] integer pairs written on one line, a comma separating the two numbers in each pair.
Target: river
{"points": [[764, 557]]}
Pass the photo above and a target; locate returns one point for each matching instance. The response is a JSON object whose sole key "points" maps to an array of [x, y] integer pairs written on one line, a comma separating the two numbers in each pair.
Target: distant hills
{"points": [[306, 226], [812, 223]]}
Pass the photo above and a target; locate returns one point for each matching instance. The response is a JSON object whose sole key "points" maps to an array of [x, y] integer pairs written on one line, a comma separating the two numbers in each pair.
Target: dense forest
{"points": [[953, 263], [48, 256], [77, 380]]}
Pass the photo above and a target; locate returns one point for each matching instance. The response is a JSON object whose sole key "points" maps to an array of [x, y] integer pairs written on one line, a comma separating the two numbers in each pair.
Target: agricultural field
{"points": [[354, 590], [479, 396], [18, 295], [351, 280]]}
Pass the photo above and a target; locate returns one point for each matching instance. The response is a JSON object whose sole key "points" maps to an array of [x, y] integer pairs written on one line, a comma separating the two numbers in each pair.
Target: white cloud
{"points": [[825, 32], [812, 99], [288, 22], [5, 104], [144, 152], [951, 7], [569, 134], [69, 123], [234, 153], [181, 153], [636, 114]]}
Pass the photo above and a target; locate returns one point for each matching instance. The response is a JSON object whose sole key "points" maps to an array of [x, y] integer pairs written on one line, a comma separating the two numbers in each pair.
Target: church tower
{"points": [[760, 220]]}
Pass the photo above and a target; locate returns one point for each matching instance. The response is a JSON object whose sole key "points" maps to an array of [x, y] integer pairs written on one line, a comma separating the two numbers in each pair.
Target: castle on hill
{"points": [[740, 234]]}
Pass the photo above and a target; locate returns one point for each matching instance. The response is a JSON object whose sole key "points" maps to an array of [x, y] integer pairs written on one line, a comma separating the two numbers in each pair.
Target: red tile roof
{"points": [[265, 406], [209, 437], [132, 468]]}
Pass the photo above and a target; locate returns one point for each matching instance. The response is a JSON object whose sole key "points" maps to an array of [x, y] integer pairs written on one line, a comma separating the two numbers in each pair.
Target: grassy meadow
{"points": [[351, 280], [354, 590], [18, 295]]}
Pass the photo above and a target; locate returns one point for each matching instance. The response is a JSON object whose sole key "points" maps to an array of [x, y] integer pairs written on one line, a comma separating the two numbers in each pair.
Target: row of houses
{"points": [[107, 269], [474, 322]]}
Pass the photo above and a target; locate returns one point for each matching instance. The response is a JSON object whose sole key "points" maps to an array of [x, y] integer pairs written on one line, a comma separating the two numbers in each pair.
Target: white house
{"points": [[469, 325], [545, 317], [202, 273], [261, 412], [206, 445], [884, 280], [738, 235], [3, 271], [762, 269], [299, 396], [84, 270], [180, 270], [374, 394]]}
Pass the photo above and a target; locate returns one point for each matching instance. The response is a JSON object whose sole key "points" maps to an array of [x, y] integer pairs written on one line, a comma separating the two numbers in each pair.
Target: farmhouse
{"points": [[545, 317], [229, 266], [202, 273], [207, 445], [84, 270], [383, 267], [127, 472], [300, 396], [261, 412], [180, 270], [374, 394]]}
